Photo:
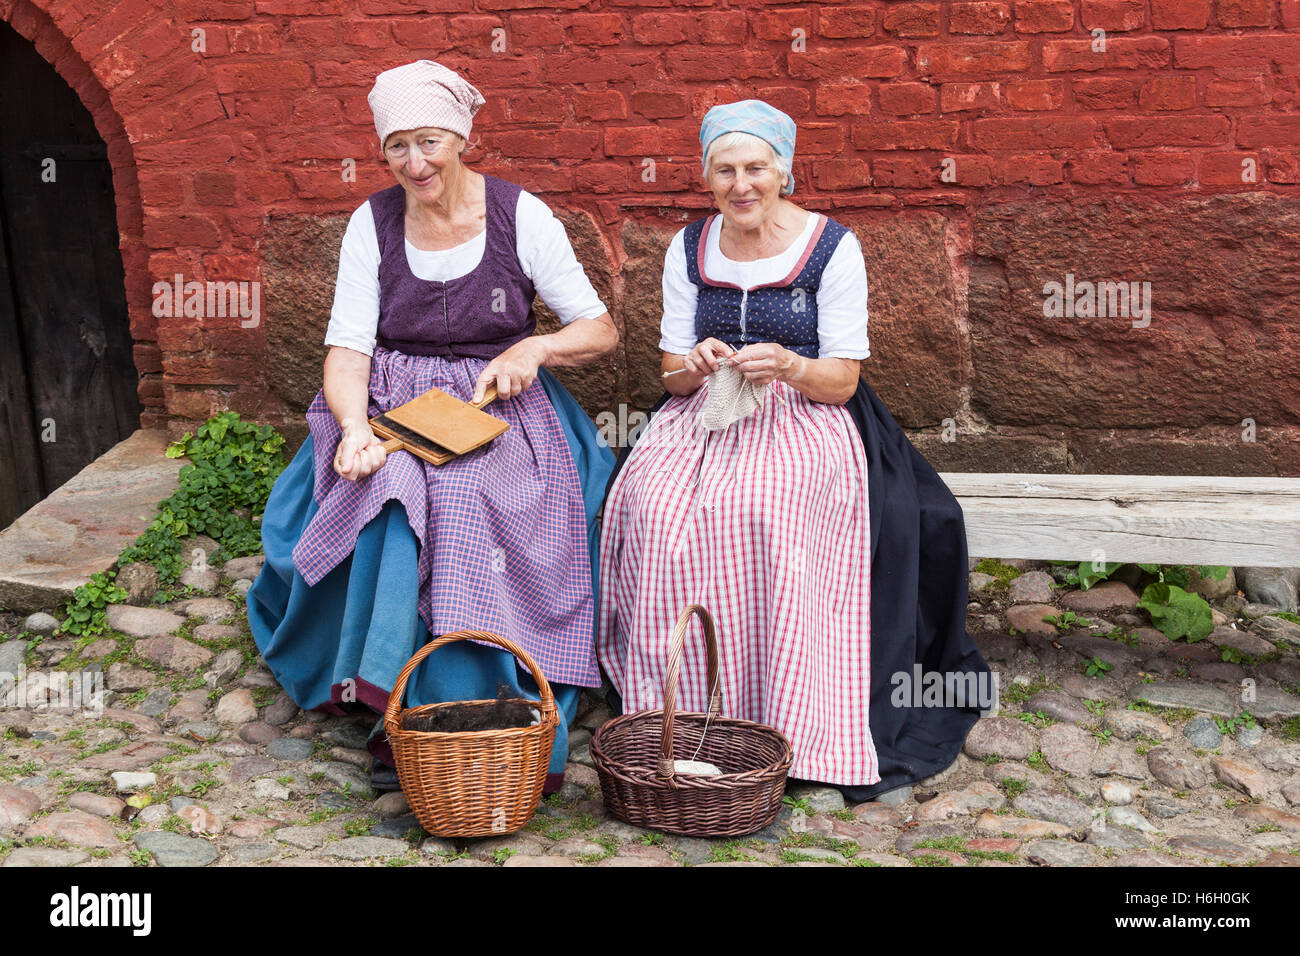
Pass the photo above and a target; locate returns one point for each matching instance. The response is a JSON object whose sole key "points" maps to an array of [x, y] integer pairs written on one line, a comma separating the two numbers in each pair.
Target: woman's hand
{"points": [[765, 362], [704, 358], [359, 453], [514, 370]]}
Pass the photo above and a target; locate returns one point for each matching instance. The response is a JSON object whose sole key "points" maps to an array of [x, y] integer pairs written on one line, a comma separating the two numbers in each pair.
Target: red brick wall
{"points": [[979, 149]]}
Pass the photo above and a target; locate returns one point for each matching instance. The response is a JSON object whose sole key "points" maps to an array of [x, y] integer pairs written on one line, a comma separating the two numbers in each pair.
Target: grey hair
{"points": [[734, 139]]}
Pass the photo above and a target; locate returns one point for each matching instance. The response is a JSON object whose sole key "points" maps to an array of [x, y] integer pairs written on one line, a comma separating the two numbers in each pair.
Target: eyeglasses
{"points": [[429, 146]]}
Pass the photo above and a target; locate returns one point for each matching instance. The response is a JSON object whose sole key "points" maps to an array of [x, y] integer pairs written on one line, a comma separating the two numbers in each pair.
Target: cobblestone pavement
{"points": [[1112, 747]]}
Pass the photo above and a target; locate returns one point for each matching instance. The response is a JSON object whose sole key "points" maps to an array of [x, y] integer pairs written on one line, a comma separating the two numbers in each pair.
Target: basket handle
{"points": [[399, 689], [675, 647]]}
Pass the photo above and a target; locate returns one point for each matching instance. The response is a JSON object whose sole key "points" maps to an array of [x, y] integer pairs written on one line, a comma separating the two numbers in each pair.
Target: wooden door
{"points": [[67, 376]]}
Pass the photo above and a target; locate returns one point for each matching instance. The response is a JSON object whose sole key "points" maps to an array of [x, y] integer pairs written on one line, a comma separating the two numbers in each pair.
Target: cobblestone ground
{"points": [[1113, 747]]}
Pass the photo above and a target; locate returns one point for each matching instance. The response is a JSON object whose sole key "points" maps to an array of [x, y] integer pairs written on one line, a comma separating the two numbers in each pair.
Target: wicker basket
{"points": [[633, 755], [476, 783]]}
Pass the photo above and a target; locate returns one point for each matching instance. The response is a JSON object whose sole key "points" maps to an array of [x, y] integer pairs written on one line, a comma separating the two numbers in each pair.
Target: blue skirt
{"points": [[336, 642]]}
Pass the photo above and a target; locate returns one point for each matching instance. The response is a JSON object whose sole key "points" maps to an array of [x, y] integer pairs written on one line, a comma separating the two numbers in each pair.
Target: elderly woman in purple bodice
{"points": [[369, 554]]}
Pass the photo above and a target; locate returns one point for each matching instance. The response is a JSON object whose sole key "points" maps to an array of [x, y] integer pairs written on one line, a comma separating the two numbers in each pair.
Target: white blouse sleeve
{"points": [[842, 303], [354, 318], [547, 258], [677, 330]]}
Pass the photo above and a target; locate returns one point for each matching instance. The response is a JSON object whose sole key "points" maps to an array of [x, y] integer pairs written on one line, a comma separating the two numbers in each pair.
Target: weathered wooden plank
{"points": [[1166, 519]]}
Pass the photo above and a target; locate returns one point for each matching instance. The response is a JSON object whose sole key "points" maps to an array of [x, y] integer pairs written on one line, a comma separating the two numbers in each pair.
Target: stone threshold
{"points": [[82, 526]]}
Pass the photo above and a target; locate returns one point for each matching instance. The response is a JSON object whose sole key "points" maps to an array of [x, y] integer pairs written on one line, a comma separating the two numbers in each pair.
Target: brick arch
{"points": [[131, 70]]}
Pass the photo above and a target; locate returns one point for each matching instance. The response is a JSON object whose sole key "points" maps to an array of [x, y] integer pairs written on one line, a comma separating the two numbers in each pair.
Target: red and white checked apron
{"points": [[766, 525]]}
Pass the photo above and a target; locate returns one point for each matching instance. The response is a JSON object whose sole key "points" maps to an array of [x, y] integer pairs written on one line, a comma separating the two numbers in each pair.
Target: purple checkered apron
{"points": [[502, 530]]}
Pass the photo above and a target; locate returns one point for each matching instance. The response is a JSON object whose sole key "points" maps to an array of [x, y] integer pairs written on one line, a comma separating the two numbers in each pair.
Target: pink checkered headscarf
{"points": [[419, 94]]}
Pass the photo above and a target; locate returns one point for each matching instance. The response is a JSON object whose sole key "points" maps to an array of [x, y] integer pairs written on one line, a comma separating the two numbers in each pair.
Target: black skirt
{"points": [[918, 605]]}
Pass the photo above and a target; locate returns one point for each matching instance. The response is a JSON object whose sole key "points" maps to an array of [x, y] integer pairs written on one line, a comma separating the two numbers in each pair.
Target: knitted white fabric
{"points": [[731, 397], [420, 94]]}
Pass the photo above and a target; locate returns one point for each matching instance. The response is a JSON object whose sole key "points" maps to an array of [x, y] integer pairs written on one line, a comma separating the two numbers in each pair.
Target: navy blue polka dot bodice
{"points": [[783, 311]]}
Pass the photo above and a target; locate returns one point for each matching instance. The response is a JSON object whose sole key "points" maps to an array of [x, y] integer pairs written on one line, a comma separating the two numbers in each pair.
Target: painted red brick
{"points": [[1163, 168], [979, 18], [793, 100], [534, 30], [972, 170], [879, 61], [1277, 130], [1127, 132], [1036, 95], [843, 99], [903, 171], [600, 105], [1168, 93], [1243, 13], [906, 98], [560, 143], [723, 26], [835, 174], [1098, 167], [1119, 15], [1230, 169], [845, 22], [912, 19], [658, 104], [1130, 53], [655, 29], [905, 134], [1250, 91], [1105, 93], [1219, 52], [1031, 169], [985, 56], [1047, 132], [781, 24], [954, 97], [819, 139], [1282, 167], [1044, 16], [647, 141], [1180, 14], [597, 29]]}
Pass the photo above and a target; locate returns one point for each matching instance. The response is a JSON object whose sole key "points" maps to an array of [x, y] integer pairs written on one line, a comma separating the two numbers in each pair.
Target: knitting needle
{"points": [[683, 369]]}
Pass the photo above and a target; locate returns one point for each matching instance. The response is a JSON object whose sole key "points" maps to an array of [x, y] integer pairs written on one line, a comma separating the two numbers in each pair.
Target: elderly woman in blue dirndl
{"points": [[368, 555], [829, 552]]}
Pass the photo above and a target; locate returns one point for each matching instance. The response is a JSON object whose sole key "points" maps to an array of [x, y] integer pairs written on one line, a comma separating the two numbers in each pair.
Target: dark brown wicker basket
{"points": [[476, 783], [633, 755]]}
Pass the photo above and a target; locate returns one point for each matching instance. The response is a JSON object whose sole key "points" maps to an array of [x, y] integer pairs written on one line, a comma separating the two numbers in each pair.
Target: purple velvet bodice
{"points": [[478, 315]]}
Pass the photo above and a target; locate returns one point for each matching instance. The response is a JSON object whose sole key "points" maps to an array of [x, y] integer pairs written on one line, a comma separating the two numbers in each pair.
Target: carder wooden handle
{"points": [[489, 394]]}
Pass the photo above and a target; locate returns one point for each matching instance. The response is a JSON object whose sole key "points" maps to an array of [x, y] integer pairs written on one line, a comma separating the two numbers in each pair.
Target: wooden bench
{"points": [[1154, 519]]}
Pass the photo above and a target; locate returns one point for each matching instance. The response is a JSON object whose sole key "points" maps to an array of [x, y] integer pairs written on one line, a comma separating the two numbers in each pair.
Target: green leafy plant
{"points": [[1065, 620], [85, 610], [1097, 667], [1230, 725], [222, 493], [1177, 613], [1174, 610]]}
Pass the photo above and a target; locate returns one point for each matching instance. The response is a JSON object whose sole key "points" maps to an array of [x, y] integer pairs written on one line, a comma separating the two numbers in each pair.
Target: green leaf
{"points": [[1176, 613], [1089, 575]]}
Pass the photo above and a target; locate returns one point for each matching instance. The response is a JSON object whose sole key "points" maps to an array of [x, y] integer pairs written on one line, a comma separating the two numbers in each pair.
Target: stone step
{"points": [[81, 527]]}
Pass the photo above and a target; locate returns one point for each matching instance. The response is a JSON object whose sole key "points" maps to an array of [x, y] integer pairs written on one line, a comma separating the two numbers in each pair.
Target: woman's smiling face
{"points": [[746, 182], [422, 159]]}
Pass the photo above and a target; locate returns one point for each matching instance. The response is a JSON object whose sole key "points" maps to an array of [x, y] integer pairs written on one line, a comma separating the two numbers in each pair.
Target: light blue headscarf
{"points": [[756, 118]]}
